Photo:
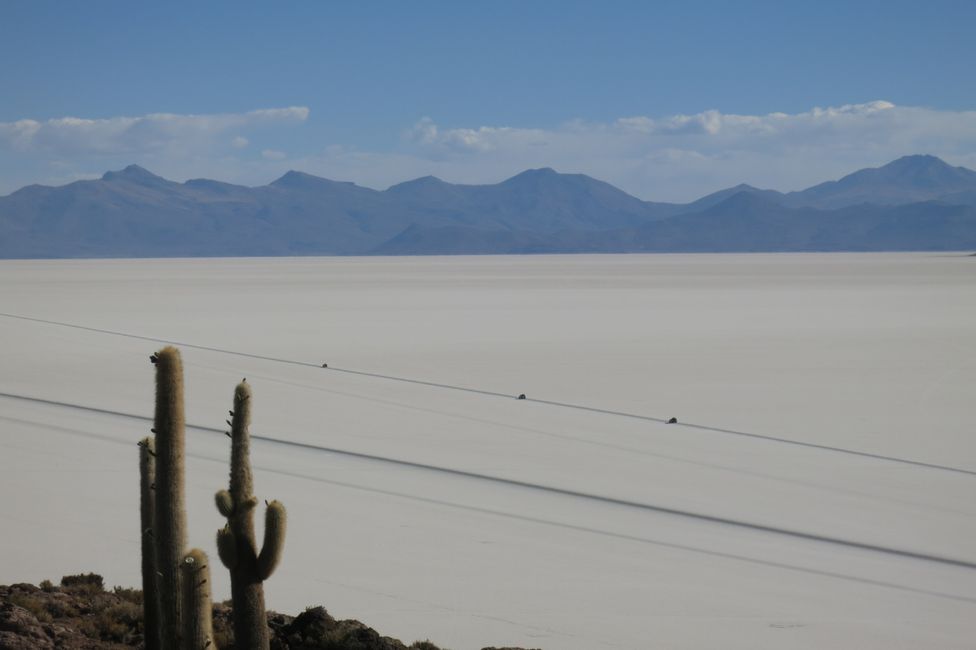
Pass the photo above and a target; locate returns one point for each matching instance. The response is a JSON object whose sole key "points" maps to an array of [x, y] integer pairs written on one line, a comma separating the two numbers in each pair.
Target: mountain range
{"points": [[914, 203]]}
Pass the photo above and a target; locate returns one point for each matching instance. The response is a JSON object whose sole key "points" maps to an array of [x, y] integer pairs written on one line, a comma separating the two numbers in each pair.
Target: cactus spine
{"points": [[197, 612], [236, 542], [147, 509]]}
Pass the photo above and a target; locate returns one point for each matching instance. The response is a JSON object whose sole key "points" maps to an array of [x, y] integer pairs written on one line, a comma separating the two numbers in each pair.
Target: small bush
{"points": [[133, 596], [119, 623], [91, 583], [32, 605], [61, 607], [47, 585], [223, 627], [87, 627]]}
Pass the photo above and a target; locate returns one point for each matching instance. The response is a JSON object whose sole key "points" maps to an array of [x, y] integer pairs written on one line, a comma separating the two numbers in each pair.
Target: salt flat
{"points": [[427, 501]]}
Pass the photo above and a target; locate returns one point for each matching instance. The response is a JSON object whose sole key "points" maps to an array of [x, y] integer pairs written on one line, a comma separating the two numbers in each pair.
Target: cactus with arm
{"points": [[236, 541]]}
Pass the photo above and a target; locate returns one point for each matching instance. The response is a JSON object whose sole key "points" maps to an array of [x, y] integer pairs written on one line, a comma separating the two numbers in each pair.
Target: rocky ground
{"points": [[79, 614]]}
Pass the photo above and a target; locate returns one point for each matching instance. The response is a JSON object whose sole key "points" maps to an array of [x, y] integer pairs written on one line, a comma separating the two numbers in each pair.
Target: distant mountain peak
{"points": [[716, 198], [909, 179], [913, 164], [417, 183], [292, 177], [917, 158], [548, 178], [133, 173], [542, 173], [917, 164], [307, 184]]}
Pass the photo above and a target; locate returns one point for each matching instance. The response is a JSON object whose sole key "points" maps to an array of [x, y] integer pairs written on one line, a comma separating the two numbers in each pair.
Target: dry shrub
{"points": [[133, 596], [32, 605], [90, 583]]}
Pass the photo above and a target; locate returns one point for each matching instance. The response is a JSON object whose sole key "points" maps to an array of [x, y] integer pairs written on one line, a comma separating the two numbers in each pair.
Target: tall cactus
{"points": [[197, 612], [236, 542], [147, 509], [169, 530]]}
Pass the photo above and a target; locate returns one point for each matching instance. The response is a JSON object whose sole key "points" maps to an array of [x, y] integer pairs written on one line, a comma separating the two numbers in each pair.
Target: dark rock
{"points": [[81, 615], [21, 629], [13, 641], [315, 629]]}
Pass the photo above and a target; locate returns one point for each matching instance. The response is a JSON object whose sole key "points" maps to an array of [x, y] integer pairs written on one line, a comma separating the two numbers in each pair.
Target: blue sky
{"points": [[668, 100]]}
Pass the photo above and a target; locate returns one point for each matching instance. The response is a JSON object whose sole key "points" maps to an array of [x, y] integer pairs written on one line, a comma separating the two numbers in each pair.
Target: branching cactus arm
{"points": [[275, 522]]}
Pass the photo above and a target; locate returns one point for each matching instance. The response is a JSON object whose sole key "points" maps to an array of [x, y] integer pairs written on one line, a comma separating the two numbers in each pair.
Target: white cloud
{"points": [[239, 142], [714, 123], [710, 124], [681, 157], [481, 139], [271, 154], [137, 135], [296, 113]]}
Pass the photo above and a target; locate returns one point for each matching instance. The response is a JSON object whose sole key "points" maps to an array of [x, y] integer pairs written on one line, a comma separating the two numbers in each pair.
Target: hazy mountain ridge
{"points": [[743, 223], [910, 179], [913, 203]]}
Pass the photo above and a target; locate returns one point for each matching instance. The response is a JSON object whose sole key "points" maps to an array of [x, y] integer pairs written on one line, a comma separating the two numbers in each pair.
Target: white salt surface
{"points": [[476, 519]]}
